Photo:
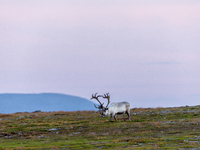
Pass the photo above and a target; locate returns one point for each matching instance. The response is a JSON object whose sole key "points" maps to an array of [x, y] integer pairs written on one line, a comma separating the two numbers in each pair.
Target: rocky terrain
{"points": [[149, 128]]}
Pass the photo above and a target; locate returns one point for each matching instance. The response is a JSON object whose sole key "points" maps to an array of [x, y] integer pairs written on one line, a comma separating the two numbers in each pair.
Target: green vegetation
{"points": [[149, 128]]}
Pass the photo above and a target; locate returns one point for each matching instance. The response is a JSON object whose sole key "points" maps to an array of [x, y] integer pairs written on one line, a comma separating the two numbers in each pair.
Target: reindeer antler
{"points": [[108, 97], [96, 97]]}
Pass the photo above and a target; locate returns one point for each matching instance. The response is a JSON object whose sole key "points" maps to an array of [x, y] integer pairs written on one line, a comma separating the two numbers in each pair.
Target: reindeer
{"points": [[114, 108]]}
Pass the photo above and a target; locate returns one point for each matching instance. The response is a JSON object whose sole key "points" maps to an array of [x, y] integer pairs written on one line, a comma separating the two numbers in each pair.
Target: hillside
{"points": [[11, 103], [149, 128]]}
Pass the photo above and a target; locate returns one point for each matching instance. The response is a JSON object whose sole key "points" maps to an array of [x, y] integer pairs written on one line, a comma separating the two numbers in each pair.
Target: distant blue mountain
{"points": [[11, 103]]}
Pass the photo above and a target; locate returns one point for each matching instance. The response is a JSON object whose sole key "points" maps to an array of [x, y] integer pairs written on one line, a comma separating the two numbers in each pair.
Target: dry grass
{"points": [[149, 128]]}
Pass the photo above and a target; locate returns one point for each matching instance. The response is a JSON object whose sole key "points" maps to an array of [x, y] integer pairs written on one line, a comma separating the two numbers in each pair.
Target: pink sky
{"points": [[145, 52]]}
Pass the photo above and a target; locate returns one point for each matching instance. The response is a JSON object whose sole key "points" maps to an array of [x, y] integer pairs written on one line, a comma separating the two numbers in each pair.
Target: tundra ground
{"points": [[149, 128]]}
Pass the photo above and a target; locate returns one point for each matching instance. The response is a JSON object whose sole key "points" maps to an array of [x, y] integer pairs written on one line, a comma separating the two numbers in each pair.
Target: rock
{"points": [[101, 147], [162, 112], [76, 132], [169, 122], [69, 128], [37, 111], [53, 129], [40, 136], [133, 113]]}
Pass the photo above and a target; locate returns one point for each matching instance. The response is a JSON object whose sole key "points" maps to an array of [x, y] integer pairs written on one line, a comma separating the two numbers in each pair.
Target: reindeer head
{"points": [[103, 110]]}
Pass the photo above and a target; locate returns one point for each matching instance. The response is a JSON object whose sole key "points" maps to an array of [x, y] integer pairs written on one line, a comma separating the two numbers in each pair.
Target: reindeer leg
{"points": [[129, 115], [111, 116], [115, 117]]}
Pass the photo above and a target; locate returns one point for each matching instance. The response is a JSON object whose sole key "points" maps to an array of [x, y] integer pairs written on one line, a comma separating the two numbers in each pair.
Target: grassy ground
{"points": [[149, 128]]}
